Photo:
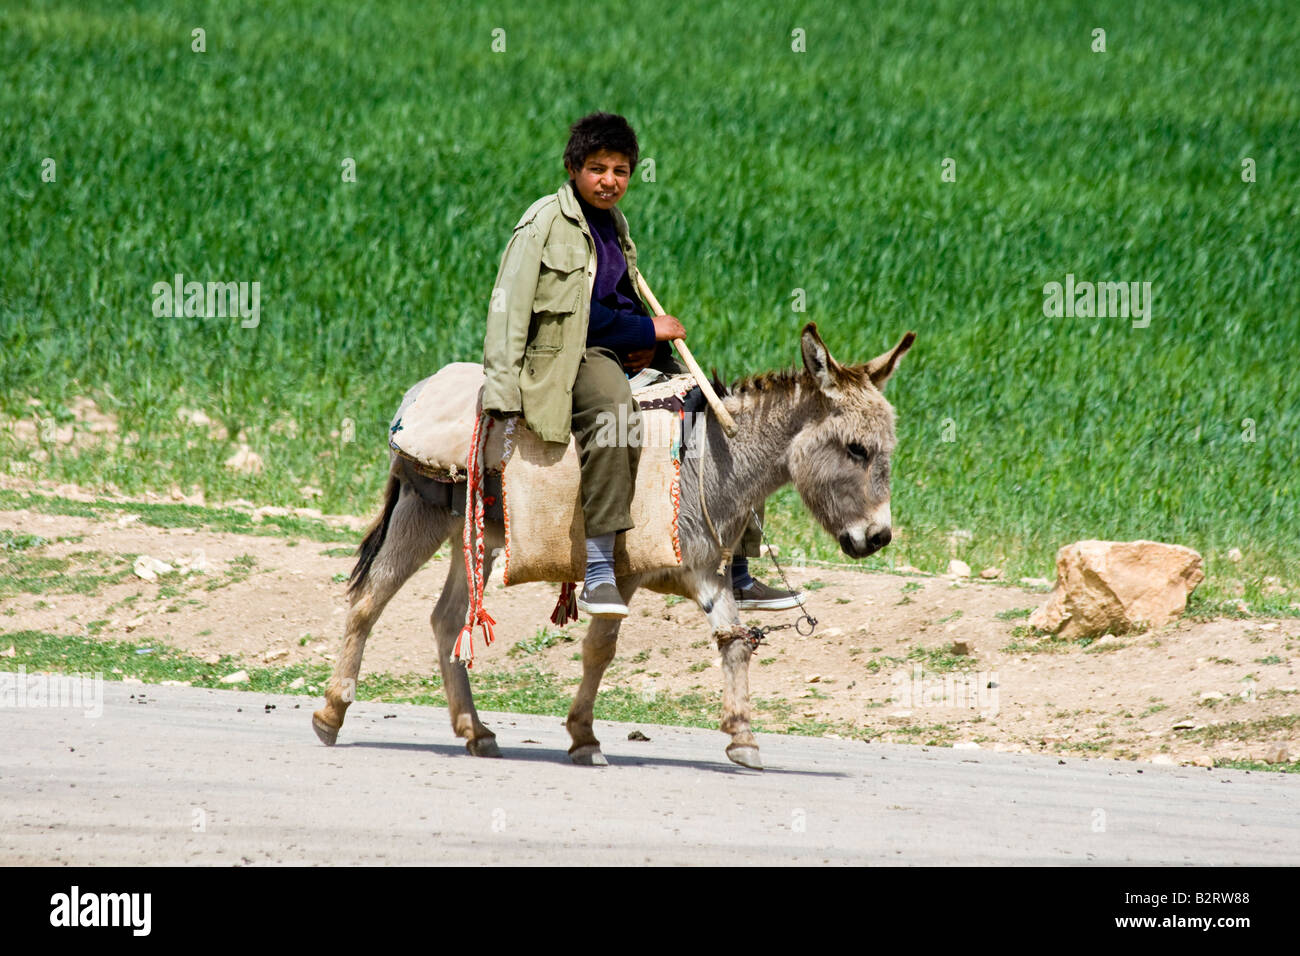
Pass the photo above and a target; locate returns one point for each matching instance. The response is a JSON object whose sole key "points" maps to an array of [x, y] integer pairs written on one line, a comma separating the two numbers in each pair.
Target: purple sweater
{"points": [[618, 320]]}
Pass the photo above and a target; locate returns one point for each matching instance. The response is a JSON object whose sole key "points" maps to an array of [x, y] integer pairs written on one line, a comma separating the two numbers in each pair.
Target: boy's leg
{"points": [[751, 594], [603, 414]]}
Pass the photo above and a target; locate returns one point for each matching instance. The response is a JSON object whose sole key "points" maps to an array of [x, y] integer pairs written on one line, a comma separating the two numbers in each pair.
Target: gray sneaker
{"points": [[602, 601], [759, 597]]}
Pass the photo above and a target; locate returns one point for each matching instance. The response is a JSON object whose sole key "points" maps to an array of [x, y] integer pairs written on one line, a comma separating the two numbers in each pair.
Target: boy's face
{"points": [[603, 178]]}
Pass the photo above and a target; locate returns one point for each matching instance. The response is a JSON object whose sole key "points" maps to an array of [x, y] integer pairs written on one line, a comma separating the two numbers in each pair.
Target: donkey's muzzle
{"points": [[860, 548]]}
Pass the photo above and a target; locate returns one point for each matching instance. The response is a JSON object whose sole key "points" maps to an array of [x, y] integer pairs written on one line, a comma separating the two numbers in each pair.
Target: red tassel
{"points": [[566, 608]]}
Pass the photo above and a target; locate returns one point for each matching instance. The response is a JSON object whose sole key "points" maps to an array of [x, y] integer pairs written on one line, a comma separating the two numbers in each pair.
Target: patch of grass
{"points": [[1014, 614], [340, 552], [1260, 729], [540, 641], [939, 659], [1270, 659], [1258, 766], [815, 585]]}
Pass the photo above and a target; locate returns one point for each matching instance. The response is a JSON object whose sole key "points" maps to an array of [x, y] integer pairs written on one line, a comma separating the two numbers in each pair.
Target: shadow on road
{"points": [[542, 754]]}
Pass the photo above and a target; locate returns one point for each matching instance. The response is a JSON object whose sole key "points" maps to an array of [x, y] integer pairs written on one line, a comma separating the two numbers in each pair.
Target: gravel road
{"points": [[176, 775]]}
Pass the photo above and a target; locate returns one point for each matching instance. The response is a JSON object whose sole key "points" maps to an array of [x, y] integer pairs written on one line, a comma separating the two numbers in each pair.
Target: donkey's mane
{"points": [[776, 380]]}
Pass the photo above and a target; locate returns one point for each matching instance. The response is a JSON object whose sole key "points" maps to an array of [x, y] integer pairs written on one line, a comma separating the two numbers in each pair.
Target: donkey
{"points": [[826, 427]]}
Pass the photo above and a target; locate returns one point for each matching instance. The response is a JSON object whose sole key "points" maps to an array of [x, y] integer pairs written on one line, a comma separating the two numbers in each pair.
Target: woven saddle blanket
{"points": [[540, 481]]}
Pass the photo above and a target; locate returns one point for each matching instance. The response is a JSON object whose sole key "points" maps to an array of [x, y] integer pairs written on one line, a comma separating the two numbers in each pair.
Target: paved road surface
{"points": [[189, 777]]}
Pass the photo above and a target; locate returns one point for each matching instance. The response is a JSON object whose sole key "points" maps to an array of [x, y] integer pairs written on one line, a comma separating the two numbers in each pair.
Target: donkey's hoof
{"points": [[746, 756], [483, 747], [327, 733], [588, 756]]}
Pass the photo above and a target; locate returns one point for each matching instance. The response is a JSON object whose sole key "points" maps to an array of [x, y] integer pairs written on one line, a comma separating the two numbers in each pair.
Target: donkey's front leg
{"points": [[597, 651], [719, 603]]}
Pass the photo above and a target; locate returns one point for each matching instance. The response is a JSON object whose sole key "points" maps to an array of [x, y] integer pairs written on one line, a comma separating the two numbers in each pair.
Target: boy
{"points": [[565, 330]]}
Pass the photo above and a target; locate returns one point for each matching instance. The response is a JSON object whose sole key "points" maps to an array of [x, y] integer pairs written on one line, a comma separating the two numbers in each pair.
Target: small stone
{"points": [[275, 655], [1276, 753], [813, 678], [1184, 725], [1163, 759], [1234, 555], [637, 735], [310, 491], [10, 652], [963, 647], [991, 574], [297, 683], [212, 659], [238, 677], [833, 632], [1211, 695], [1204, 760], [958, 569], [1270, 626]]}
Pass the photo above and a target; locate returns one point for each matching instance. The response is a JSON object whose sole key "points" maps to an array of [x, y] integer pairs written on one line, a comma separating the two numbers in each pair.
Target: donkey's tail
{"points": [[375, 534]]}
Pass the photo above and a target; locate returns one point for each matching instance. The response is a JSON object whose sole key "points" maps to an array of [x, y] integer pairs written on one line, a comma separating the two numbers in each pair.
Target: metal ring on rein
{"points": [[812, 624]]}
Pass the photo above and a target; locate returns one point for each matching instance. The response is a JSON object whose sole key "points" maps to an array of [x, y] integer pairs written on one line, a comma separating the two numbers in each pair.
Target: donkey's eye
{"points": [[857, 453]]}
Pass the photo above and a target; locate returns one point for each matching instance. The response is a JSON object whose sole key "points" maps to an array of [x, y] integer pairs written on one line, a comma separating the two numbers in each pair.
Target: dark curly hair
{"points": [[597, 131]]}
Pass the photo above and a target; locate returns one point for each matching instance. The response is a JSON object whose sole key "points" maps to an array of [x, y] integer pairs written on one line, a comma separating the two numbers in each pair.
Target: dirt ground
{"points": [[881, 659]]}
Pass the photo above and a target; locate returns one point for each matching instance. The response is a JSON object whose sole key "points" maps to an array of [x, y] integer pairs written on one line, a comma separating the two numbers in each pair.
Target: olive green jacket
{"points": [[537, 319]]}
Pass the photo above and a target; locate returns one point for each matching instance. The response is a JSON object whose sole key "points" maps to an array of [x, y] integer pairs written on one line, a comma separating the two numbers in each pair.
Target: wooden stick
{"points": [[724, 417]]}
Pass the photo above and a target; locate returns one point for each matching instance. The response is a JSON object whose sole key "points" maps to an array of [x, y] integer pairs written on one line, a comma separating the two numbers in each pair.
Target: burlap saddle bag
{"points": [[545, 537]]}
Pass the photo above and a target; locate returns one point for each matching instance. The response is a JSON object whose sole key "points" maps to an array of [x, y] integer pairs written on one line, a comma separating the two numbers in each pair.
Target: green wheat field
{"points": [[795, 146]]}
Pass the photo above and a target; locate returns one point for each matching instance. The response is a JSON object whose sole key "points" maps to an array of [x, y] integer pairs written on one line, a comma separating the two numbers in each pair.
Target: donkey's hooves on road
{"points": [[483, 747], [589, 757], [746, 757], [328, 735]]}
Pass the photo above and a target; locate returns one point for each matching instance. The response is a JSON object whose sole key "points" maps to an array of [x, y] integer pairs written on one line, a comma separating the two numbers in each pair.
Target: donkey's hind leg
{"points": [[447, 620], [407, 539], [597, 651]]}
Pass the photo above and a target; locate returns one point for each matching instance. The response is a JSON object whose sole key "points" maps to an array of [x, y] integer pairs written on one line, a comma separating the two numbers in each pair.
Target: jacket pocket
{"points": [[559, 282]]}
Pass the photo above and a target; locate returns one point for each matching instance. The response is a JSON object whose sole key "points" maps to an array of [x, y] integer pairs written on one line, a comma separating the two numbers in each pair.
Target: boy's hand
{"points": [[667, 327], [639, 359]]}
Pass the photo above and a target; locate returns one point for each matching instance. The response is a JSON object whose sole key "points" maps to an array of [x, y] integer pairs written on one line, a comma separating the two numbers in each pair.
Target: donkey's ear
{"points": [[882, 366], [817, 359]]}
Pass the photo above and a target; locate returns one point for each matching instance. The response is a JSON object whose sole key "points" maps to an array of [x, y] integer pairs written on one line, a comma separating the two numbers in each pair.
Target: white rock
{"points": [[11, 652], [275, 655], [149, 568], [297, 683], [1163, 759], [238, 677], [1234, 555], [1211, 695], [958, 569], [245, 460], [213, 658]]}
